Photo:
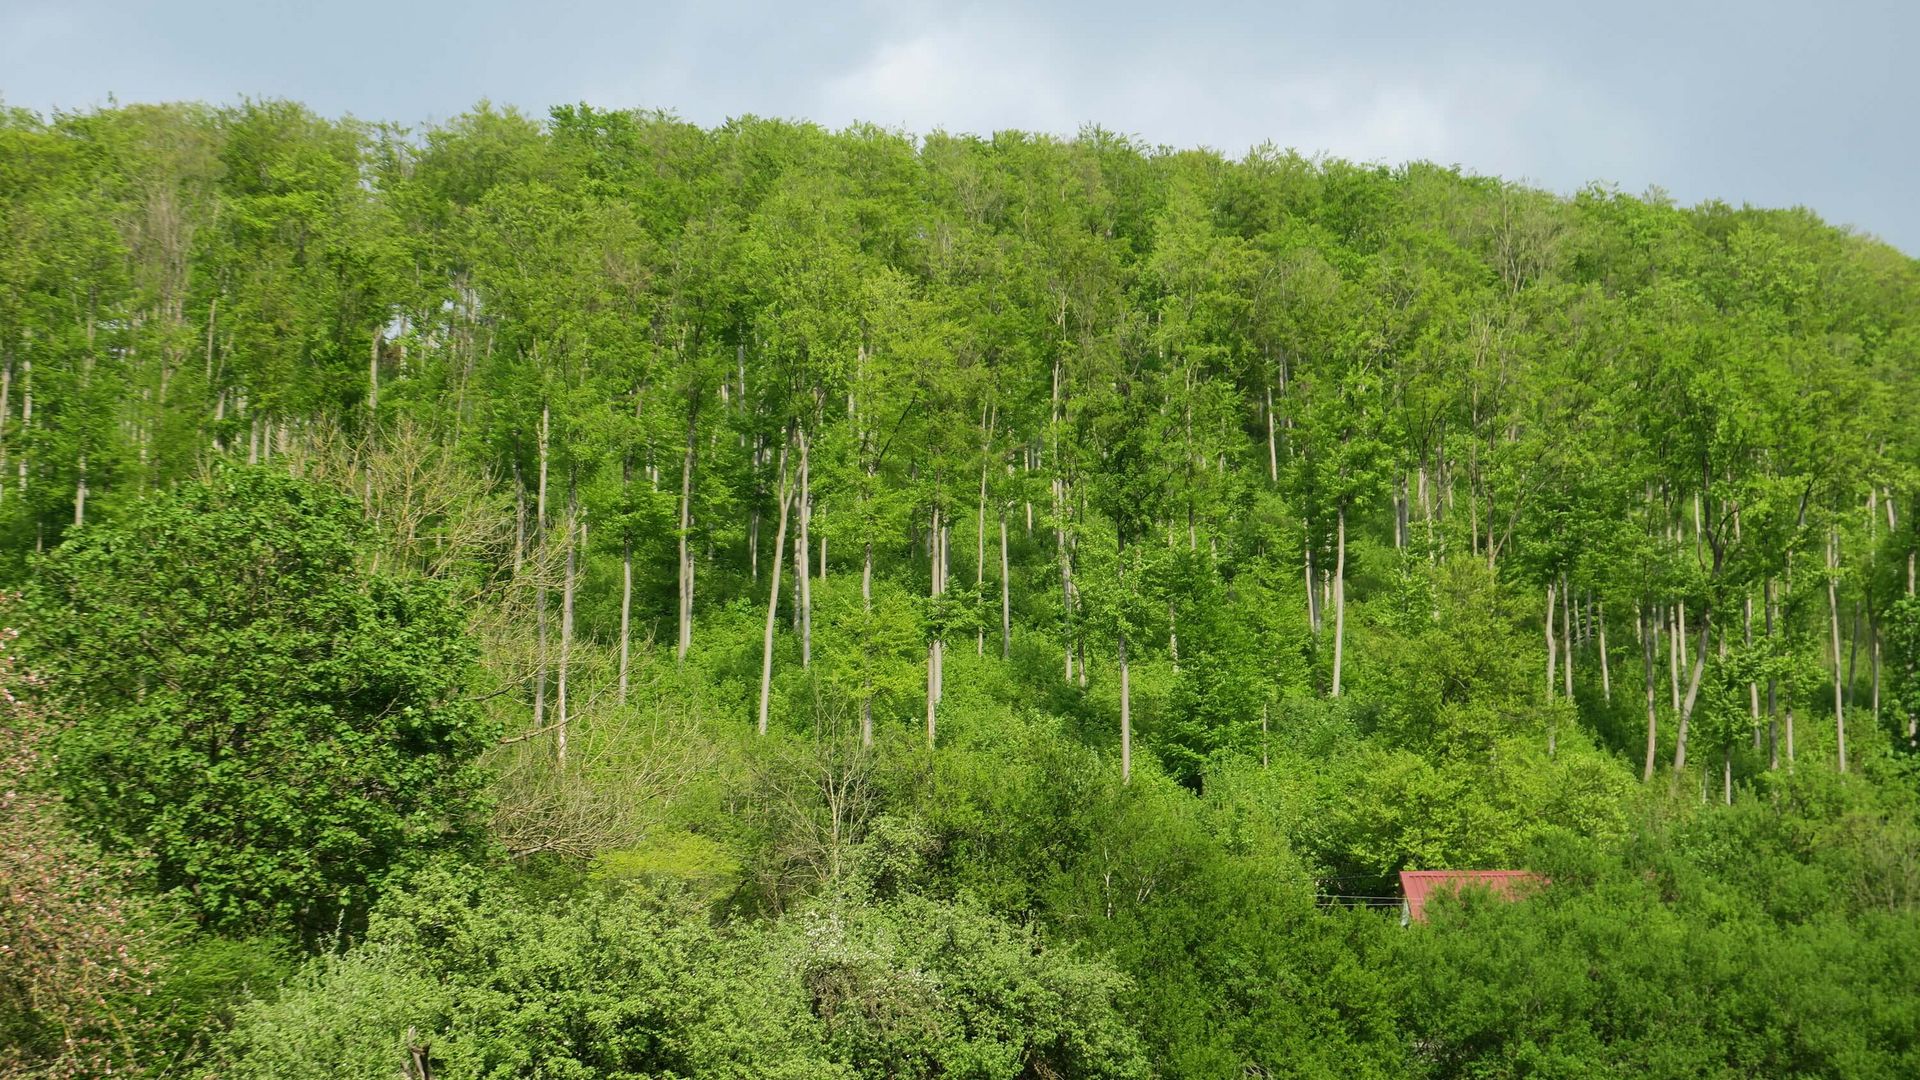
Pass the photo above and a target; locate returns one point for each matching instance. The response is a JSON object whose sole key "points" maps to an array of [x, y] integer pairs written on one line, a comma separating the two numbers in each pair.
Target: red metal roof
{"points": [[1418, 885]]}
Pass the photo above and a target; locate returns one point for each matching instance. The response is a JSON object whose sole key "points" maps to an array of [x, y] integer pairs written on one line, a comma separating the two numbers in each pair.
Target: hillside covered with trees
{"points": [[606, 597]]}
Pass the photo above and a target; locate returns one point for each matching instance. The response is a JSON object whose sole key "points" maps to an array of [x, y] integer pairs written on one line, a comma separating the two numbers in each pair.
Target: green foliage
{"points": [[1902, 662], [922, 988], [1445, 670], [1608, 973], [623, 982], [201, 982], [1524, 464], [267, 730], [703, 866]]}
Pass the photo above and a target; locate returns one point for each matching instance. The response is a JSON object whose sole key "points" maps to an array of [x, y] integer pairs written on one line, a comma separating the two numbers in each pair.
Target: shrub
{"points": [[269, 731]]}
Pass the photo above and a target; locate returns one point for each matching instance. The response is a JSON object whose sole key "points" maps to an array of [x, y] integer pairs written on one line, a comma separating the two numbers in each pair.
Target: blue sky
{"points": [[1764, 102]]}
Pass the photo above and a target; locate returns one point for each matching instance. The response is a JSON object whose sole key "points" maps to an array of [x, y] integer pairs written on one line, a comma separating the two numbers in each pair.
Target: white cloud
{"points": [[960, 78], [983, 73], [1344, 113]]}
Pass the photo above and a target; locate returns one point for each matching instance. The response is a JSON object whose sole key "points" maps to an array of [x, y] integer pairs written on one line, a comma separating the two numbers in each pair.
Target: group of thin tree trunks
{"points": [[1117, 366]]}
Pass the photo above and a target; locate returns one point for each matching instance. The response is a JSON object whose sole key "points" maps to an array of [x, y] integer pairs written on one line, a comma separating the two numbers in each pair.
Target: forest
{"points": [[482, 602]]}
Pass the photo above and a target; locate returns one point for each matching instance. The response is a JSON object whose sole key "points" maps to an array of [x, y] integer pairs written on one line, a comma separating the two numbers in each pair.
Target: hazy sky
{"points": [[1762, 101]]}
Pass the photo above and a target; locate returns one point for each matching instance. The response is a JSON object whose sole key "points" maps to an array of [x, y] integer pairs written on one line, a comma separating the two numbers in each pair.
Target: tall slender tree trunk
{"points": [[1313, 596], [1680, 634], [1606, 661], [1753, 685], [1698, 530], [1566, 632], [866, 680], [1833, 620], [1273, 446], [1126, 684], [566, 623], [946, 579], [1473, 496], [1873, 635], [685, 642], [1787, 718], [1553, 648], [1426, 509], [1653, 720], [1006, 594], [26, 420], [519, 518], [1773, 732], [946, 583], [803, 577], [1854, 634], [80, 492], [1026, 466], [540, 588], [1066, 576], [753, 520], [1893, 526], [1060, 503], [1173, 634], [1693, 693], [773, 594], [1339, 596], [626, 614], [1913, 721], [1080, 628], [1674, 629], [1399, 510], [626, 567], [980, 560], [866, 566], [213, 312], [936, 558], [1726, 749]]}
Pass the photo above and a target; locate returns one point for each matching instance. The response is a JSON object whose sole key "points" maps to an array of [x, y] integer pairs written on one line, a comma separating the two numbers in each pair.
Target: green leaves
{"points": [[267, 730], [1902, 662], [1223, 406], [623, 983]]}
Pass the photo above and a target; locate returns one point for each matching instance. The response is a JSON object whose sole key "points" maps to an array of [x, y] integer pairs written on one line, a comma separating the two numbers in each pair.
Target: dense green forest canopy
{"points": [[493, 608]]}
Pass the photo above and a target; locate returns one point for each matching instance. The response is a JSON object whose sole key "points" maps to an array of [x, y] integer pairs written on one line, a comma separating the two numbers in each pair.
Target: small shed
{"points": [[1418, 885]]}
